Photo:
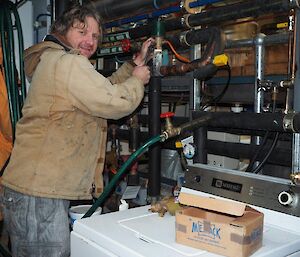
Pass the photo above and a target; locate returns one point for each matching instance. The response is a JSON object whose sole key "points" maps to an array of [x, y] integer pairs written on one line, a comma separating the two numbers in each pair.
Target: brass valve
{"points": [[170, 130], [167, 116]]}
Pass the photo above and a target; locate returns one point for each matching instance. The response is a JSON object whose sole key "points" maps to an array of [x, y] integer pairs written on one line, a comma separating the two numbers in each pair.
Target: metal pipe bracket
{"points": [[288, 122]]}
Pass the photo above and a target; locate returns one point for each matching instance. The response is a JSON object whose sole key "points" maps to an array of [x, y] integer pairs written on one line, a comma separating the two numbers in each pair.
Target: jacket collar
{"points": [[53, 39]]}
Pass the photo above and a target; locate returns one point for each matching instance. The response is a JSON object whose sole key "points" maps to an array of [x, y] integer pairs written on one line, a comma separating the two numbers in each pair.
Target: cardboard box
{"points": [[227, 228]]}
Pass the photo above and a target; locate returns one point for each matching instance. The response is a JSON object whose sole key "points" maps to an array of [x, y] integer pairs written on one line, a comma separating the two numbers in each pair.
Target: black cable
{"points": [[253, 159], [262, 163], [218, 98]]}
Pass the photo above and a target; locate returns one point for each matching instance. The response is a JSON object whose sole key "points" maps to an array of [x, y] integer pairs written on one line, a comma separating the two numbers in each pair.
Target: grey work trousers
{"points": [[38, 227]]}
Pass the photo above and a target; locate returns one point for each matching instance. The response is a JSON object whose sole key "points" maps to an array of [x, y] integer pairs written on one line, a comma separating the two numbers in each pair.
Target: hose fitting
{"points": [[200, 122]]}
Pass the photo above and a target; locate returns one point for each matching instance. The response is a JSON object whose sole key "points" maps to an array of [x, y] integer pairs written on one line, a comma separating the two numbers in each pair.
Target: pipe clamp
{"points": [[185, 21], [288, 124], [182, 39]]}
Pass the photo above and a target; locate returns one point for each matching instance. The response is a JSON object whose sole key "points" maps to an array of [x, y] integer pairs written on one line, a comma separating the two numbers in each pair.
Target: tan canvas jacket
{"points": [[60, 141]]}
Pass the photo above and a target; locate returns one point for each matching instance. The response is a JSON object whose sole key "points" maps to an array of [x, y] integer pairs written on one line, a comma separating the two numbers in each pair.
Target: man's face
{"points": [[84, 37]]}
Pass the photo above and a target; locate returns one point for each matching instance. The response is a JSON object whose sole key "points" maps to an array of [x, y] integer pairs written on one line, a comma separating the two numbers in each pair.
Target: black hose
{"points": [[218, 98], [262, 163], [254, 157]]}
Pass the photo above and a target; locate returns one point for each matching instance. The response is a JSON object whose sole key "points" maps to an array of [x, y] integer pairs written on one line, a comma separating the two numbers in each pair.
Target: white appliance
{"points": [[139, 232]]}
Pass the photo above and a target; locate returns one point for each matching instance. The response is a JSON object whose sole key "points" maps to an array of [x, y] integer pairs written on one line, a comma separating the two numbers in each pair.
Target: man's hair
{"points": [[76, 13]]}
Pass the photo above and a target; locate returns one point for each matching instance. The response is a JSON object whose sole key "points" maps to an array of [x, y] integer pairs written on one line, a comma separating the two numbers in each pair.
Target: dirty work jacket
{"points": [[60, 140]]}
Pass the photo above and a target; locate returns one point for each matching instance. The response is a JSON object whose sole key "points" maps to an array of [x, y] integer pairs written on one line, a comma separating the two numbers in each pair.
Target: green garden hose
{"points": [[18, 26], [121, 171], [160, 138], [16, 95]]}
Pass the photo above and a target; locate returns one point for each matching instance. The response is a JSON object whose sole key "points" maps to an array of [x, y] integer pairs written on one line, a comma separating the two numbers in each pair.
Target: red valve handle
{"points": [[126, 45], [167, 114]]}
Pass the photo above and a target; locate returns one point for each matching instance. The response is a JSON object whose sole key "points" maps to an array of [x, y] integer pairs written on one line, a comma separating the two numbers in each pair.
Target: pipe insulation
{"points": [[240, 10], [113, 9], [277, 122], [214, 46], [159, 13], [281, 156], [250, 8], [154, 129]]}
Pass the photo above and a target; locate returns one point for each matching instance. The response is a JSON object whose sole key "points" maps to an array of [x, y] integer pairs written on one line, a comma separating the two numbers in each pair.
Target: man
{"points": [[60, 141]]}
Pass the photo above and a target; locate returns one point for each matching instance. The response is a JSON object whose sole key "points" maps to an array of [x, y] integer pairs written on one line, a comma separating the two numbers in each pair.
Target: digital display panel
{"points": [[227, 185]]}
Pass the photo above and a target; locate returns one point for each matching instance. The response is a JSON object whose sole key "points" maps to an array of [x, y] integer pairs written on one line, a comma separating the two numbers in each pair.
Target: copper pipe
{"points": [[187, 67]]}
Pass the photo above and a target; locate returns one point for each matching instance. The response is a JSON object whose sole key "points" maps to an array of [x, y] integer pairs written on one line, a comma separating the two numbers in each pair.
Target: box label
{"points": [[206, 229]]}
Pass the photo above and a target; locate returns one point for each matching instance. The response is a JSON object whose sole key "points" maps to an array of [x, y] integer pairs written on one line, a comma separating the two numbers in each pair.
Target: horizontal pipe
{"points": [[280, 156], [214, 16], [155, 14], [203, 2], [193, 37], [113, 9], [239, 10], [276, 122], [214, 46], [268, 40], [124, 134], [178, 121], [158, 13]]}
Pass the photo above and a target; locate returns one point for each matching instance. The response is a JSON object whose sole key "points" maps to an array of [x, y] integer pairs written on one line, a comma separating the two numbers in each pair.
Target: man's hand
{"points": [[143, 73], [143, 56]]}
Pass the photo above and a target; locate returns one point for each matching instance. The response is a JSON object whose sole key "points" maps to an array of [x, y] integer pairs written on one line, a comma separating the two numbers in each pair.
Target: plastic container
{"points": [[78, 211], [123, 206]]}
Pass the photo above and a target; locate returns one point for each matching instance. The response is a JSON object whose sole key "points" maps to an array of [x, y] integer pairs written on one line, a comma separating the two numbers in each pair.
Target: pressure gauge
{"points": [[189, 150]]}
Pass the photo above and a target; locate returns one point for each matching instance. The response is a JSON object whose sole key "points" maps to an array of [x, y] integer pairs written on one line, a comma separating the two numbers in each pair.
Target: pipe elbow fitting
{"points": [[260, 39]]}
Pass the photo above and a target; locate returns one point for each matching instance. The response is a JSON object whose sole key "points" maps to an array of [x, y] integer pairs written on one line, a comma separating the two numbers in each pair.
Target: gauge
{"points": [[189, 150]]}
